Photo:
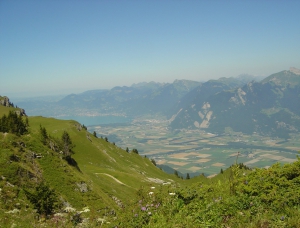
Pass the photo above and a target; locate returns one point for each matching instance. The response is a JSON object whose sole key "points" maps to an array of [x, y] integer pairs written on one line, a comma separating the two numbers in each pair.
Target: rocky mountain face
{"points": [[271, 106], [4, 101], [244, 103]]}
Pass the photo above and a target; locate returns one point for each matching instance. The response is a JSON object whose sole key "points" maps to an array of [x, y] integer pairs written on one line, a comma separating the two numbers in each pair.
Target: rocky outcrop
{"points": [[4, 101], [295, 70]]}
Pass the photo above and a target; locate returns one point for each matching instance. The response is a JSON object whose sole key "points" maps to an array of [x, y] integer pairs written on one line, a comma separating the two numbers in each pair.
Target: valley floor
{"points": [[196, 151]]}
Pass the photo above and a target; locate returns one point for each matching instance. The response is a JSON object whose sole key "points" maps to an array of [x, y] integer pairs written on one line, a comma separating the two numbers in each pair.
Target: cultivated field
{"points": [[196, 152]]}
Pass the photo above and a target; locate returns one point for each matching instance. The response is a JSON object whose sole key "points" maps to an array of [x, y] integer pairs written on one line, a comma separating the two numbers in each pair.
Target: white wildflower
{"points": [[69, 209]]}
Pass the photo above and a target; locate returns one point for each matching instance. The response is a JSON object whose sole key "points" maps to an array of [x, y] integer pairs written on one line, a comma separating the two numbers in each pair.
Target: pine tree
{"points": [[153, 161], [188, 176], [44, 199], [135, 151], [67, 145], [95, 134], [44, 135]]}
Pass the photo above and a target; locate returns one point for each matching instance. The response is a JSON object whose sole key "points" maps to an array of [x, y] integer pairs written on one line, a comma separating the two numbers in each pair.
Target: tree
{"points": [[188, 176], [44, 135], [153, 161], [13, 123], [135, 151], [106, 139], [127, 150], [221, 171], [43, 199], [67, 145], [176, 173], [95, 134]]}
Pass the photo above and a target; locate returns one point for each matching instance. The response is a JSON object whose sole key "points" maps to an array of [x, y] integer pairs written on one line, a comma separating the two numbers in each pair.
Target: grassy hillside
{"points": [[105, 176], [105, 186]]}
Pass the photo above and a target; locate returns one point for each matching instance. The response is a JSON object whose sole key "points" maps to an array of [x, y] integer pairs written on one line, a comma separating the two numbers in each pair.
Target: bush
{"points": [[44, 199]]}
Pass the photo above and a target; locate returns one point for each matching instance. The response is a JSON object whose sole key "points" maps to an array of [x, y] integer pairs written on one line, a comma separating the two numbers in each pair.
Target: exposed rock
{"points": [[295, 70], [21, 112], [117, 201], [4, 101], [82, 186]]}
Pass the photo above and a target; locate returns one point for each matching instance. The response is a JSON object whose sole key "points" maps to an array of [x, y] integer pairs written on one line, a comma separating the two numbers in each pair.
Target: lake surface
{"points": [[97, 120]]}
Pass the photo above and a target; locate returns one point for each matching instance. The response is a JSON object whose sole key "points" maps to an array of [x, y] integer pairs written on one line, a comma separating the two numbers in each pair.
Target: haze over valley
{"points": [[149, 114], [189, 126]]}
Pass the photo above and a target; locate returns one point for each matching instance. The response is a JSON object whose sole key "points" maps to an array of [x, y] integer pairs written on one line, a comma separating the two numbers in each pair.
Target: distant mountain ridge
{"points": [[244, 103], [138, 99], [271, 106]]}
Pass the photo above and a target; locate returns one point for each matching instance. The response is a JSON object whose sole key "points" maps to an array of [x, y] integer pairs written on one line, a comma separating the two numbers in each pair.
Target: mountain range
{"points": [[57, 174], [244, 103], [271, 106]]}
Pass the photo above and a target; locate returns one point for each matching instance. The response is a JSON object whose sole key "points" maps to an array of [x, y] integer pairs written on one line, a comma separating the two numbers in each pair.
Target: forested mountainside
{"points": [[270, 107]]}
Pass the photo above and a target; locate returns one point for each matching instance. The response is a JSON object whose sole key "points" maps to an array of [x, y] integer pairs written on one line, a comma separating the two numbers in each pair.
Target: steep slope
{"points": [[99, 176], [186, 108], [269, 107], [105, 186]]}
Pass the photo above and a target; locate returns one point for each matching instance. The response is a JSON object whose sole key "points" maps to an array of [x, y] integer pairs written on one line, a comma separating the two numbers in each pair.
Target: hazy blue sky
{"points": [[64, 46]]}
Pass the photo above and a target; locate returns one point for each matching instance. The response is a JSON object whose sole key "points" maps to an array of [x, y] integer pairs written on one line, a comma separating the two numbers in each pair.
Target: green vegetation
{"points": [[196, 151], [13, 123], [109, 187]]}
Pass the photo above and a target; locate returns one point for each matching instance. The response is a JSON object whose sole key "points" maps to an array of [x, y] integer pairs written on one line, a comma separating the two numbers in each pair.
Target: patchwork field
{"points": [[197, 152]]}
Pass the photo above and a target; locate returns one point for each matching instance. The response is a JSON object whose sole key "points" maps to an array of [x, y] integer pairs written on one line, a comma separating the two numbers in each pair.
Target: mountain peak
{"points": [[295, 70]]}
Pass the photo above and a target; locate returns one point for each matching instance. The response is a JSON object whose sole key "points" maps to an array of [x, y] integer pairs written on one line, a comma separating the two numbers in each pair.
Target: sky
{"points": [[55, 47]]}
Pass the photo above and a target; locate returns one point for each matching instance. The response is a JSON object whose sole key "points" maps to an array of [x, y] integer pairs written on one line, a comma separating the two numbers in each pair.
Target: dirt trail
{"points": [[120, 182]]}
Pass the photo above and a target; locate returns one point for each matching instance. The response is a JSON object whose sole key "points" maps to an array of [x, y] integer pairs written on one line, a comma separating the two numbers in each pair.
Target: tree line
{"points": [[13, 123]]}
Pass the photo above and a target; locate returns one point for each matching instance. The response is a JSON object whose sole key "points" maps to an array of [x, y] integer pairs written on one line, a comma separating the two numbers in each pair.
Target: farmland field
{"points": [[196, 151]]}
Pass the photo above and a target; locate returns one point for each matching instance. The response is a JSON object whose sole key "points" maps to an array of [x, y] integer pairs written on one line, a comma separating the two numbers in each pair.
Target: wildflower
{"points": [[282, 218], [172, 193], [102, 220], [149, 213], [157, 205], [151, 193], [69, 209], [86, 209], [140, 201], [143, 208], [152, 187], [136, 215]]}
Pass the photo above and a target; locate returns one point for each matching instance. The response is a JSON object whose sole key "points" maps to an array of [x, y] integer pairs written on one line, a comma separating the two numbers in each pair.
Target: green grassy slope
{"points": [[96, 158], [107, 175], [111, 188]]}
